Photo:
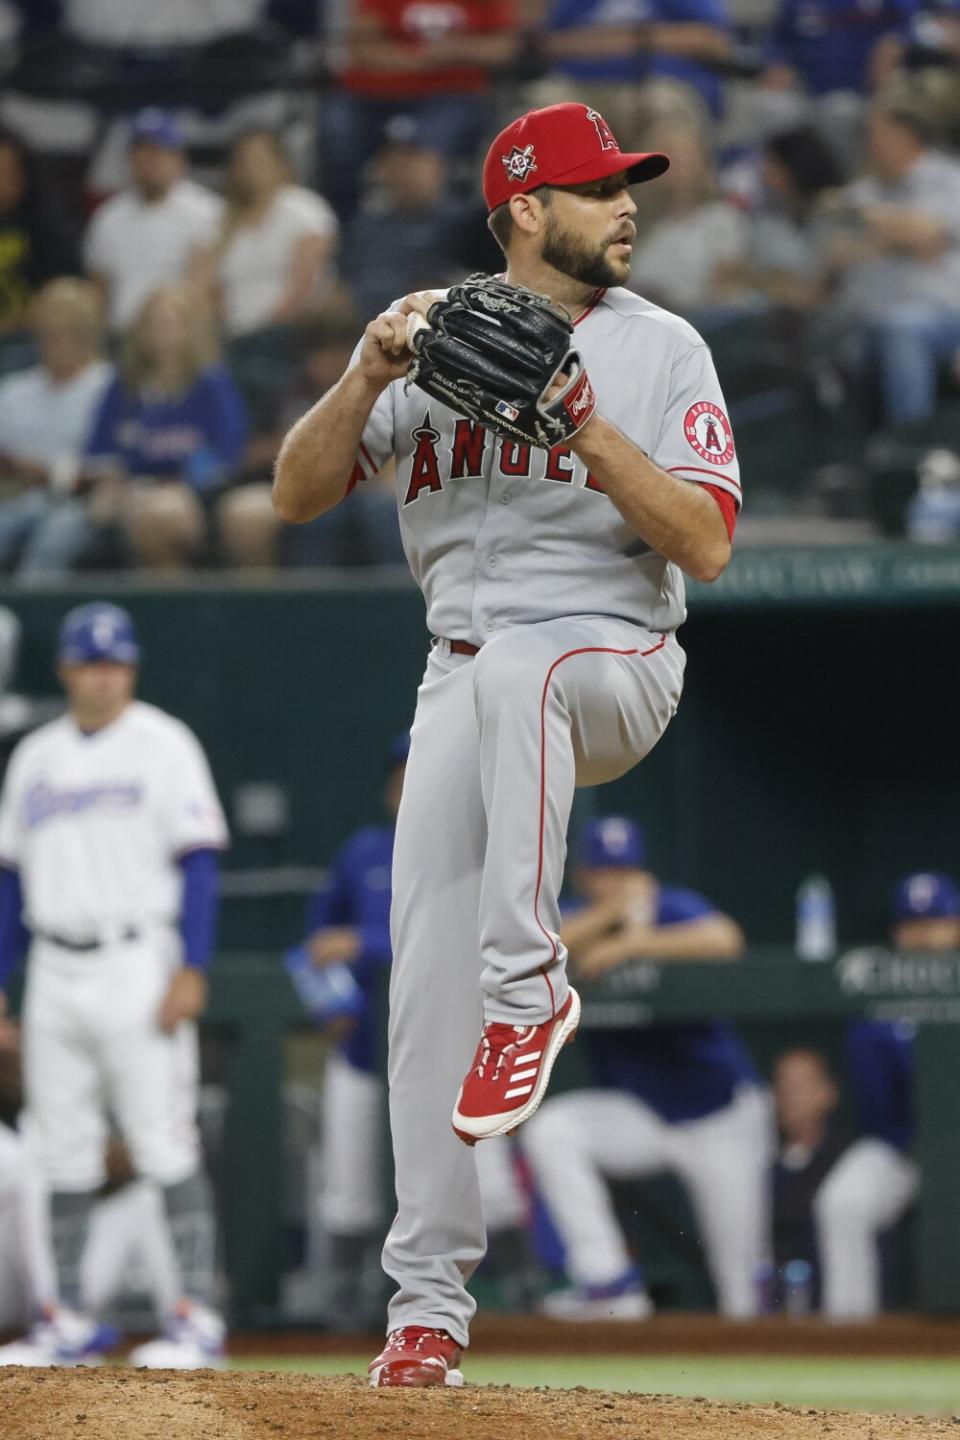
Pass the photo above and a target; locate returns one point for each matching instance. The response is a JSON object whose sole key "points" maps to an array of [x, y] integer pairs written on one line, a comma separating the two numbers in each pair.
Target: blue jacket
{"points": [[357, 894]]}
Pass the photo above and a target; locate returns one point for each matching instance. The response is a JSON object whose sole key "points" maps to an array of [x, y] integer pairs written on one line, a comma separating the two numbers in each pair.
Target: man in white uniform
{"points": [[554, 587], [109, 832], [154, 233]]}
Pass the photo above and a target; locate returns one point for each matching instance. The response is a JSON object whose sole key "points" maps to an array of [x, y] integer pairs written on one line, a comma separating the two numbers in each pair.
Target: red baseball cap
{"points": [[559, 145]]}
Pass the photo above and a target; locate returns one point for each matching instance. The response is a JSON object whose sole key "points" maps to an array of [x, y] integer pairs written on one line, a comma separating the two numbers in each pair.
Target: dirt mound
{"points": [[140, 1405]]}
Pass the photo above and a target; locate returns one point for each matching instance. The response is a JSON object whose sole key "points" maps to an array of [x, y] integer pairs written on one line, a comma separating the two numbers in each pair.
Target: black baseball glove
{"points": [[492, 351]]}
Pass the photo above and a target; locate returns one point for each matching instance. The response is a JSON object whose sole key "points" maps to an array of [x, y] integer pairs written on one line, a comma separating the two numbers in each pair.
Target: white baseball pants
{"points": [[499, 742], [868, 1189], [18, 1300], [351, 1200], [128, 1247], [91, 1043], [579, 1141]]}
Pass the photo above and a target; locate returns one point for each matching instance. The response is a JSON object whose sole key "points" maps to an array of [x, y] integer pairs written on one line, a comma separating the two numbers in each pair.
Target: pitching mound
{"points": [[163, 1405]]}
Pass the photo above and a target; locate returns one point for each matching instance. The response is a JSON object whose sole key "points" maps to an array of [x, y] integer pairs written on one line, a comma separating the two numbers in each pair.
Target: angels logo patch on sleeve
{"points": [[707, 431]]}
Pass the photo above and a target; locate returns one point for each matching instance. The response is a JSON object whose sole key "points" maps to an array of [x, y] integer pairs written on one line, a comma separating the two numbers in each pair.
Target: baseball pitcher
{"points": [[554, 482]]}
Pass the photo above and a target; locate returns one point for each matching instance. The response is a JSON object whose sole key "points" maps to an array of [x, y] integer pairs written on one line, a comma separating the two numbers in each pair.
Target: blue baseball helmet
{"points": [[613, 841], [928, 895], [98, 631], [157, 127]]}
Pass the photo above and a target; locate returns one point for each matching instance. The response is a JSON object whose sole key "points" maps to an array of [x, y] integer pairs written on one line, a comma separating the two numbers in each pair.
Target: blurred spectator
{"points": [[810, 1142], [46, 415], [423, 57], [364, 530], [835, 1196], [34, 247], [877, 1180], [696, 245], [895, 260], [144, 25], [405, 235], [273, 262], [171, 429], [826, 46], [606, 49], [785, 233], [682, 1098], [155, 232]]}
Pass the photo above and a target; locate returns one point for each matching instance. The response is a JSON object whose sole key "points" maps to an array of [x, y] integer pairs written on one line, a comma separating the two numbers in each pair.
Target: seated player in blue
{"points": [[348, 943], [681, 1098], [876, 1180], [336, 971]]}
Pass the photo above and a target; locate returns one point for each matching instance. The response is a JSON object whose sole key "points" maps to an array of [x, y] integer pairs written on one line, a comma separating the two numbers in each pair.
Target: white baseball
{"points": [[415, 322]]}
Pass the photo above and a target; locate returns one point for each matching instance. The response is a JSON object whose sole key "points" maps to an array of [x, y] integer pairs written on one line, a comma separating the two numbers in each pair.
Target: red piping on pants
{"points": [[584, 650]]}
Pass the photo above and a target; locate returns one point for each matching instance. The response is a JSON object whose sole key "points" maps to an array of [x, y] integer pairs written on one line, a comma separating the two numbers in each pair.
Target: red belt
{"points": [[460, 647]]}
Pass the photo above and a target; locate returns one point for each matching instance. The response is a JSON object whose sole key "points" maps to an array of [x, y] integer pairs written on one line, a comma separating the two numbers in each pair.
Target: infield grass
{"points": [[908, 1386]]}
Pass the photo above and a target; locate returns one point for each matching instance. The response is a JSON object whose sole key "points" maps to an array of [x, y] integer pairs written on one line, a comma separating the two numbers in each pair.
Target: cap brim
{"points": [[639, 167]]}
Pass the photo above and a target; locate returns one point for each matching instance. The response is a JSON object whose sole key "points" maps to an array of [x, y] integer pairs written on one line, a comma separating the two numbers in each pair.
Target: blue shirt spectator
{"points": [[593, 41], [196, 435], [172, 427], [828, 43]]}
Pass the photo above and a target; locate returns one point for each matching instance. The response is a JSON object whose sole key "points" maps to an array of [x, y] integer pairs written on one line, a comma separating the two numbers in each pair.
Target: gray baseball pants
{"points": [[499, 743]]}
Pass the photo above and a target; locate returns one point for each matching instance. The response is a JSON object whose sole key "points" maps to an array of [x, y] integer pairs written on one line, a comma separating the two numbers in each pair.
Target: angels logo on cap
{"points": [[519, 163], [607, 138]]}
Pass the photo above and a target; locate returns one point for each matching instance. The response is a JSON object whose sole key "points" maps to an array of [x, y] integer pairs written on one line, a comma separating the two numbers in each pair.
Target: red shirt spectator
{"points": [[406, 48]]}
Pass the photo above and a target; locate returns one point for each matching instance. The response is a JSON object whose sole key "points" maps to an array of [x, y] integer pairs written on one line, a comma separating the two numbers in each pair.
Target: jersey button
{"points": [[493, 562], [505, 499], [488, 625]]}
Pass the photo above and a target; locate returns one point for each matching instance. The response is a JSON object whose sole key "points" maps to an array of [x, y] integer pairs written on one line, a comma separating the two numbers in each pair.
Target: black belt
{"points": [[83, 947]]}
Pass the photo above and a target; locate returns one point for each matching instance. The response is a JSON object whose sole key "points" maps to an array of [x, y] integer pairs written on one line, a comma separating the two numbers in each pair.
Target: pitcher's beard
{"points": [[569, 254]]}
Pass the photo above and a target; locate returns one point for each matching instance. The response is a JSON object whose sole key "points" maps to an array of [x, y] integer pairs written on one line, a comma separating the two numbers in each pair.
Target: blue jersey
{"points": [[197, 437], [829, 42], [880, 1067], [683, 1072], [357, 894], [632, 67]]}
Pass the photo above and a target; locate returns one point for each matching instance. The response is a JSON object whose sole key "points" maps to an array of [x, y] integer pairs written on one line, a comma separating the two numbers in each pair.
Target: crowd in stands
{"points": [[178, 281]]}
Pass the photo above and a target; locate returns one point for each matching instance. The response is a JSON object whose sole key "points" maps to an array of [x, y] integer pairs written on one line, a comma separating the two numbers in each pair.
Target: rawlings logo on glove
{"points": [[495, 353]]}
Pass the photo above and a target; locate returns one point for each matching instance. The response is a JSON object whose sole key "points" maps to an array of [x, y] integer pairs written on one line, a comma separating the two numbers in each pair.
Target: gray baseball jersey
{"points": [[500, 534]]}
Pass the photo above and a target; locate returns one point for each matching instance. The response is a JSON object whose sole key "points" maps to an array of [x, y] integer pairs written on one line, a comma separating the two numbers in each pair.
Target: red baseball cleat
{"points": [[417, 1356], [510, 1073]]}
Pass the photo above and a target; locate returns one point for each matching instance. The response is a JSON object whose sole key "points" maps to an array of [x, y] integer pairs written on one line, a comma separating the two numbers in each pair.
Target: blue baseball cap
{"points": [[98, 631], [613, 841], [928, 895], [157, 127], [399, 750]]}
